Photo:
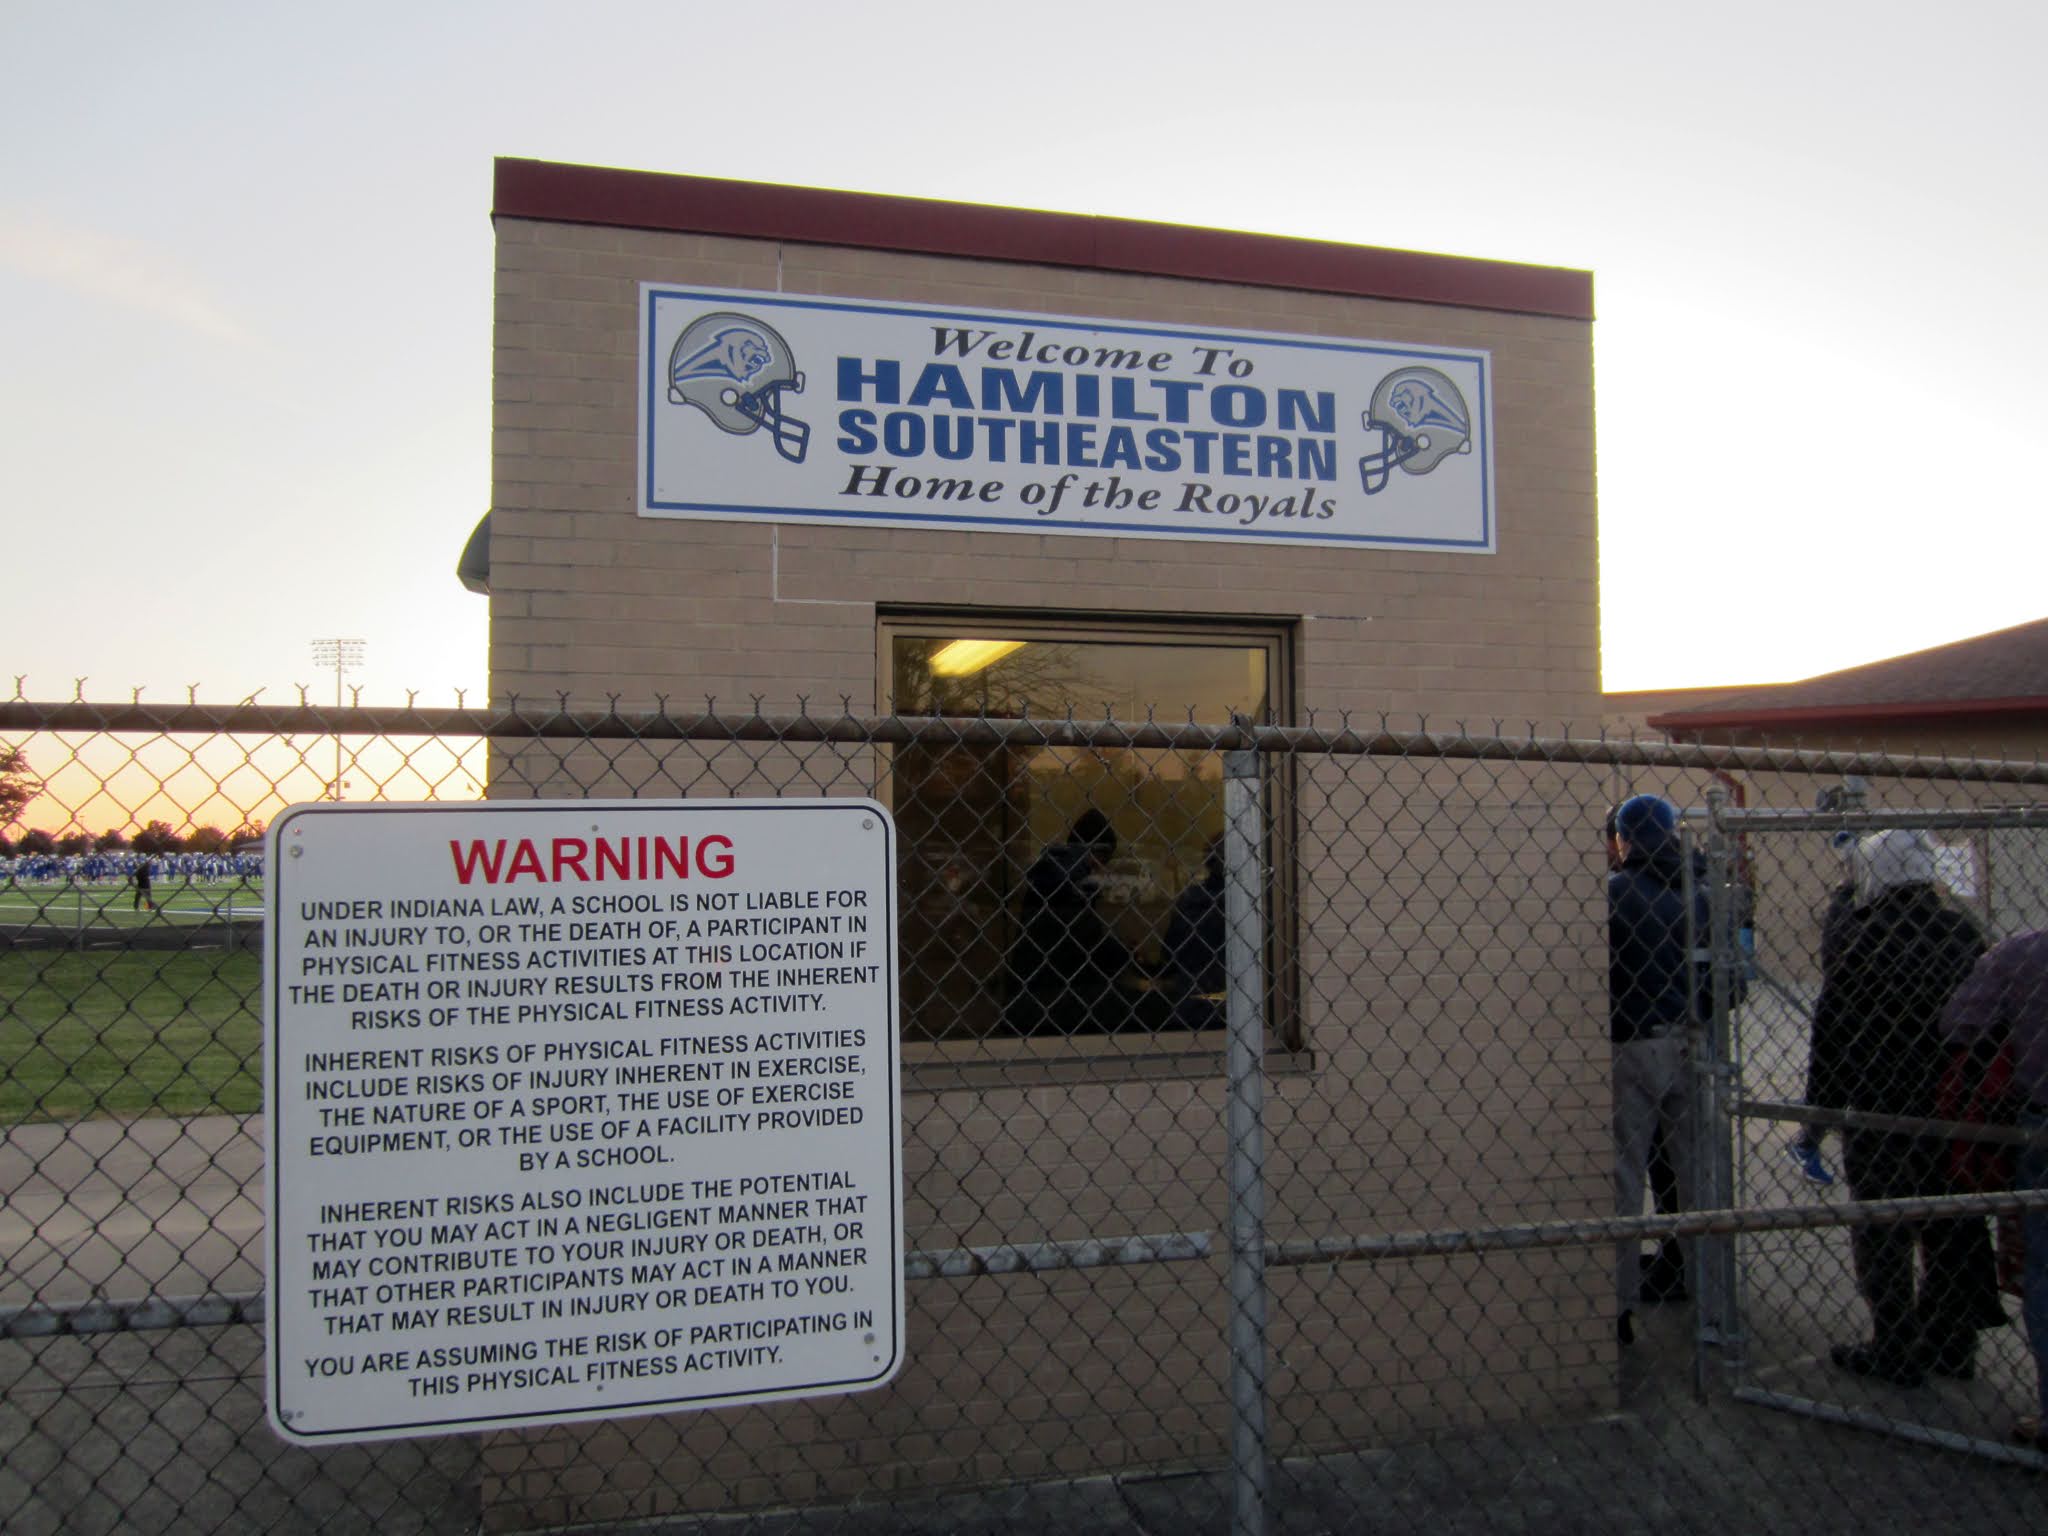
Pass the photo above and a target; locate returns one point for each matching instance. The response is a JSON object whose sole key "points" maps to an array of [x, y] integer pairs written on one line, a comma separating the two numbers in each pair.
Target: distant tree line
{"points": [[19, 786], [154, 838]]}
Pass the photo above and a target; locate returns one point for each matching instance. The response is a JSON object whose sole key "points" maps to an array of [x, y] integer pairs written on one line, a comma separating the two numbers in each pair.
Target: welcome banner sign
{"points": [[786, 408]]}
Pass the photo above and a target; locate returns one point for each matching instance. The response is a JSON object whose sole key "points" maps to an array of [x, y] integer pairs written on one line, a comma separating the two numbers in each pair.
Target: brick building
{"points": [[650, 539]]}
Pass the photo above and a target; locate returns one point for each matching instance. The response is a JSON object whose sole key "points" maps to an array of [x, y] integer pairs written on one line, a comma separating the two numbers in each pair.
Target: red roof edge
{"points": [[583, 194], [1849, 714]]}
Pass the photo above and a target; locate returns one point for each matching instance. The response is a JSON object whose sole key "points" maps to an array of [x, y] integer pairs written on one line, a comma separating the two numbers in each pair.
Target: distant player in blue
{"points": [[142, 896]]}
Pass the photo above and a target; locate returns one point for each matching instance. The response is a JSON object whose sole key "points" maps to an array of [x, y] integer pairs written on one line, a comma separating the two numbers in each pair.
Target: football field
{"points": [[74, 905], [110, 1011]]}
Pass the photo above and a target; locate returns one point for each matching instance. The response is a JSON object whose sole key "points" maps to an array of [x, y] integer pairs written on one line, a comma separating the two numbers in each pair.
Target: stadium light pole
{"points": [[344, 655]]}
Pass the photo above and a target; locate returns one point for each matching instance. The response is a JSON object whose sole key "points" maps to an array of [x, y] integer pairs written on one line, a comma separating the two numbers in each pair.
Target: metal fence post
{"points": [[1713, 1124], [1244, 962]]}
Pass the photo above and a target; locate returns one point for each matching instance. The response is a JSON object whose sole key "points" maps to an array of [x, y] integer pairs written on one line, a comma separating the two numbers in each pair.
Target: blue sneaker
{"points": [[1806, 1158]]}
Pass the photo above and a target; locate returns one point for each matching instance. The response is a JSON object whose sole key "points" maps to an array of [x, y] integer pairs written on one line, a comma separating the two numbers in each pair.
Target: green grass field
{"points": [[69, 906], [129, 1032]]}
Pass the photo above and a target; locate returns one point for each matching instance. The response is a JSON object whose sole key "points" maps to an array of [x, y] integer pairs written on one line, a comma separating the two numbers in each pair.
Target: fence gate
{"points": [[1802, 1284]]}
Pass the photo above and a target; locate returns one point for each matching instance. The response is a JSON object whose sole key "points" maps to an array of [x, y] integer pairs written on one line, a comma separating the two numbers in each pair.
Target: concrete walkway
{"points": [[164, 1431], [126, 1209]]}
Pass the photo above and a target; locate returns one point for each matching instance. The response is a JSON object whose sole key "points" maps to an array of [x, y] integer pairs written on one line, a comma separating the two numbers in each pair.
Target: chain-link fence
{"points": [[1838, 1046], [1259, 1141]]}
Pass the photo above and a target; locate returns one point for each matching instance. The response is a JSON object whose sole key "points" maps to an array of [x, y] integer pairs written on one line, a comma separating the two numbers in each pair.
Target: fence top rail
{"points": [[528, 720], [1984, 818]]}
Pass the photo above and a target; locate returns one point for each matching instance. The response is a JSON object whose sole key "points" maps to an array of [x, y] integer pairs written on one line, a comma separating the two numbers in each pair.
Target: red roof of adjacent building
{"points": [[2004, 673]]}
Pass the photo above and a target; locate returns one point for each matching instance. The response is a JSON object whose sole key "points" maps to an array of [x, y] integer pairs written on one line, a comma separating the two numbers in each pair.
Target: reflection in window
{"points": [[1064, 891]]}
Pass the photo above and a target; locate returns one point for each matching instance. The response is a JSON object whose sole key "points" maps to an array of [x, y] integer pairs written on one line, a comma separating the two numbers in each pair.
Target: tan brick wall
{"points": [[1436, 1003], [590, 598]]}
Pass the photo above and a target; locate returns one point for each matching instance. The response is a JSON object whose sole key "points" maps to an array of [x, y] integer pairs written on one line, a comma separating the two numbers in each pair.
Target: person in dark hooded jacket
{"points": [[1065, 962], [1877, 1048], [1193, 948], [1664, 1271], [1838, 922], [1652, 986]]}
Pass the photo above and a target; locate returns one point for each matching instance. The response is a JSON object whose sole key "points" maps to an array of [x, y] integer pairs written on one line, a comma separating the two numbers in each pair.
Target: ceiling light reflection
{"points": [[958, 658]]}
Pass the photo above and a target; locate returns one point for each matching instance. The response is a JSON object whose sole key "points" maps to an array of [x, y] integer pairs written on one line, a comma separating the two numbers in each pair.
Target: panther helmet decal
{"points": [[735, 369], [1420, 418]]}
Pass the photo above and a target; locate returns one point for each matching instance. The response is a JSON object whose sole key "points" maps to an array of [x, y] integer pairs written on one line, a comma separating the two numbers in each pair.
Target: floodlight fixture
{"points": [[344, 654]]}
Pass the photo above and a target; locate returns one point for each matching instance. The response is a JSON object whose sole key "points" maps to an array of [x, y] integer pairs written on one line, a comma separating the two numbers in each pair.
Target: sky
{"points": [[246, 270]]}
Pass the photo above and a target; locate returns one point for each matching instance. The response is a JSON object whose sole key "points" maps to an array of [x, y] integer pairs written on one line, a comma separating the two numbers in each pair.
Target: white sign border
{"points": [[273, 1023], [647, 506]]}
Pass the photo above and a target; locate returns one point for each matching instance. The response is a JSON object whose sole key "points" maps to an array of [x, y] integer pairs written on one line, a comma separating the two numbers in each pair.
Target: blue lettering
{"points": [[941, 381], [903, 434], [1038, 442], [999, 392], [1123, 401], [1238, 405], [953, 436], [1299, 414], [887, 380], [1316, 460], [1120, 449], [1177, 392], [856, 431]]}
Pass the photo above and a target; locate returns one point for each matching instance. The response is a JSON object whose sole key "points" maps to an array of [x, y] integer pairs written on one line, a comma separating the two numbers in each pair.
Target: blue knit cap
{"points": [[1645, 820]]}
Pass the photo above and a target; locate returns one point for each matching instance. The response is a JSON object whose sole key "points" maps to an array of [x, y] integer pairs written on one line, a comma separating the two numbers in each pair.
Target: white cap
{"points": [[1884, 861]]}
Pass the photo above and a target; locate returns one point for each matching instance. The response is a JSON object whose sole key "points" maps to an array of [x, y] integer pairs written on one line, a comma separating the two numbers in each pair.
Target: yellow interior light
{"points": [[957, 658]]}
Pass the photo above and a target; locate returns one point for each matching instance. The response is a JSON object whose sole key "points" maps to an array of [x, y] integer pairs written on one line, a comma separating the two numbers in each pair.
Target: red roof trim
{"points": [[1845, 714], [582, 194]]}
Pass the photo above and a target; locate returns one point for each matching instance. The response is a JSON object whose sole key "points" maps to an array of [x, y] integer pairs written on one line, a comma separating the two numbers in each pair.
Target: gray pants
{"points": [[1650, 1086]]}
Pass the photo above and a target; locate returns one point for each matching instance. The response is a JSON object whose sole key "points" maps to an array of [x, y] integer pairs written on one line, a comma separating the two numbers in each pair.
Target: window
{"points": [[1067, 894]]}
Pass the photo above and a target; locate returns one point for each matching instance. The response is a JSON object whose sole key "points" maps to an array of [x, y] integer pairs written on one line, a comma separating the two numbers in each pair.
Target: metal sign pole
{"points": [[1244, 960]]}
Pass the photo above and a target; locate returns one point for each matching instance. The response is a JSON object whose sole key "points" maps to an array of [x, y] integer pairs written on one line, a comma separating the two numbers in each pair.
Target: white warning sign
{"points": [[577, 1110]]}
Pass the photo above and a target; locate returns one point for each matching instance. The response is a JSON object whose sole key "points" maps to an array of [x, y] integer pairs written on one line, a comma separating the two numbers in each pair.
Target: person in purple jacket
{"points": [[2007, 994]]}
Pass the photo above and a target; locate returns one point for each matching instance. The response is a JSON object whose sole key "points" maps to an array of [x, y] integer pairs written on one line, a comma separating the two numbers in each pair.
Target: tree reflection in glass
{"points": [[1000, 895]]}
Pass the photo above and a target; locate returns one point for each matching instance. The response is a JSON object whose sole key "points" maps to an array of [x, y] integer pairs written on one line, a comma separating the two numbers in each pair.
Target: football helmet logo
{"points": [[1420, 419], [734, 369]]}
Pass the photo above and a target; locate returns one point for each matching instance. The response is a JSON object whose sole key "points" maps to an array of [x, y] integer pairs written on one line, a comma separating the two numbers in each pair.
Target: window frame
{"points": [[1010, 1059]]}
